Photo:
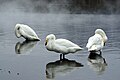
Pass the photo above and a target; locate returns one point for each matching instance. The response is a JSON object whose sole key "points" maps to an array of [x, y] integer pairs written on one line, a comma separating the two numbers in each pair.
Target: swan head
{"points": [[50, 37], [102, 33], [17, 30]]}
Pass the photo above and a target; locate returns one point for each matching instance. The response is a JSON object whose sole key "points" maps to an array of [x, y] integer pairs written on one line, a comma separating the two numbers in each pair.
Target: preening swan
{"points": [[97, 41], [61, 45], [25, 31]]}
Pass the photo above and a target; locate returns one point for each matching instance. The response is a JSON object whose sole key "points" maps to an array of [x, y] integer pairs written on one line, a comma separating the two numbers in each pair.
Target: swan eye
{"points": [[46, 41], [18, 28], [52, 38]]}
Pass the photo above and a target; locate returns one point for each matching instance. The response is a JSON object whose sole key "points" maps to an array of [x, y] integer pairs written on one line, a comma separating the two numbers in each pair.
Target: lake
{"points": [[20, 60]]}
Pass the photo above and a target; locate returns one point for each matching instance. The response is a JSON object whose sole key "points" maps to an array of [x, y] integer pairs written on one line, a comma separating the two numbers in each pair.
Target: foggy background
{"points": [[61, 6], [75, 20]]}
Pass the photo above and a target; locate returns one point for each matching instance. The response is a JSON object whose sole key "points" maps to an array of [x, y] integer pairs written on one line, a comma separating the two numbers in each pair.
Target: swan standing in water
{"points": [[96, 42], [61, 45], [25, 31]]}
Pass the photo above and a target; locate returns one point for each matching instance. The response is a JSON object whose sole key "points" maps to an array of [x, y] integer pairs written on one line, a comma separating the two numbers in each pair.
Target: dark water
{"points": [[21, 60]]}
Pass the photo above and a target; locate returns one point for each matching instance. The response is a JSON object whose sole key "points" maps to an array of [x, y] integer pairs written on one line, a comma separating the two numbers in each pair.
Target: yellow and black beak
{"points": [[46, 41]]}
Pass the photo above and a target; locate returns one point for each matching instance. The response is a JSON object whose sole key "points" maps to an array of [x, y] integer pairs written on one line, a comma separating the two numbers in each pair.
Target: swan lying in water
{"points": [[97, 41], [25, 31], [61, 45]]}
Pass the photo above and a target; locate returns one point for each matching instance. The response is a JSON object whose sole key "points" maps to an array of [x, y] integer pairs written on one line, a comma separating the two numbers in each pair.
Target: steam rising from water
{"points": [[42, 6], [60, 6]]}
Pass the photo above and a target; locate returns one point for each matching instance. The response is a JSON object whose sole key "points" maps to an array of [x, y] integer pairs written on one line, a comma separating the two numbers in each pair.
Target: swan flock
{"points": [[64, 46]]}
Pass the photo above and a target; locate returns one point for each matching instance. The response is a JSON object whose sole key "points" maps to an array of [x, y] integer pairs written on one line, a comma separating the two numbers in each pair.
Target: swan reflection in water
{"points": [[97, 62], [61, 67], [24, 47]]}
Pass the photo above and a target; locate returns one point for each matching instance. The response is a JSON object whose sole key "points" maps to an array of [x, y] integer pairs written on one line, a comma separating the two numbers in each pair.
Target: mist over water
{"points": [[75, 20], [40, 6], [64, 6]]}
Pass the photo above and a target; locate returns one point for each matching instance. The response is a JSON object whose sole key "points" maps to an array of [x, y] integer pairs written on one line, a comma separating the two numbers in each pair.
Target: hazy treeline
{"points": [[61, 6]]}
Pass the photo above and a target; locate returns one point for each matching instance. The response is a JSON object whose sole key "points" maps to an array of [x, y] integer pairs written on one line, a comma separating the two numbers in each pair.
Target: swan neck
{"points": [[17, 31]]}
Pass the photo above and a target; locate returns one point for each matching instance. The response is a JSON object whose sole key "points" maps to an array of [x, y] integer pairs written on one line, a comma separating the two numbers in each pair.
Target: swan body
{"points": [[61, 45], [25, 31], [97, 41]]}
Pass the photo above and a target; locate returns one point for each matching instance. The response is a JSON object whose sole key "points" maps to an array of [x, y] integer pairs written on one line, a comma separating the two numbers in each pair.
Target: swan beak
{"points": [[104, 43], [46, 41], [39, 39]]}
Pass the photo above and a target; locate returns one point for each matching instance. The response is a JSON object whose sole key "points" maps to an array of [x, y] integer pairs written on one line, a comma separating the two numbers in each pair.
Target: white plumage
{"points": [[26, 32], [97, 41], [61, 45]]}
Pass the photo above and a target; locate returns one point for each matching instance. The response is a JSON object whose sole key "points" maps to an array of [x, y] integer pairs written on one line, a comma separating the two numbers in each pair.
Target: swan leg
{"points": [[104, 44], [100, 52], [62, 56], [104, 61]]}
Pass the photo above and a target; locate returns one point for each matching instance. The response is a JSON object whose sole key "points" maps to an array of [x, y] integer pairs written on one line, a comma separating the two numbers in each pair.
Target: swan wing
{"points": [[65, 42], [29, 31], [26, 35], [66, 46], [94, 40]]}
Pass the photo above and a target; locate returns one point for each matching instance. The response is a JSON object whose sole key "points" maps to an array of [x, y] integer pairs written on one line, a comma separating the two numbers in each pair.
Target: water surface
{"points": [[20, 60]]}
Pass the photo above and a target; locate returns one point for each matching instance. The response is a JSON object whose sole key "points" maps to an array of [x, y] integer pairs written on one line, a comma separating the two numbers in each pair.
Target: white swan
{"points": [[26, 32], [96, 42], [61, 45]]}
